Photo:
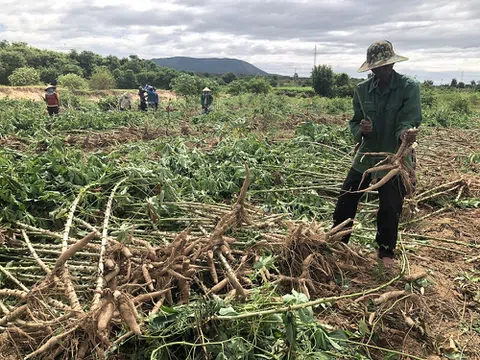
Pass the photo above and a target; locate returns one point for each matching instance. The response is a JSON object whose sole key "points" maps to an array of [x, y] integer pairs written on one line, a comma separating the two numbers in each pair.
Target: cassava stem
{"points": [[103, 246]]}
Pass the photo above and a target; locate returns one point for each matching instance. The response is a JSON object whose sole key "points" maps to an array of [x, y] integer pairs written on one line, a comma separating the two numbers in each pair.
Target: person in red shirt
{"points": [[52, 100]]}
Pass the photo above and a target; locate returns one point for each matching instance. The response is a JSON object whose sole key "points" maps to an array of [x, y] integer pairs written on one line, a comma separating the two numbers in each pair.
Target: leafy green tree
{"points": [[344, 91], [273, 80], [461, 85], [342, 79], [343, 86], [9, 61], [24, 76], [88, 61], [133, 63], [70, 68], [237, 87], [258, 85], [454, 83], [186, 84], [229, 77], [147, 76], [111, 62], [72, 82], [126, 79], [49, 74], [323, 80], [164, 77], [149, 65], [102, 79]]}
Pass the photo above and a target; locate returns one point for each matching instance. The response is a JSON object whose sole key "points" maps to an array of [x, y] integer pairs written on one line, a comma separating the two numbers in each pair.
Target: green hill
{"points": [[210, 65]]}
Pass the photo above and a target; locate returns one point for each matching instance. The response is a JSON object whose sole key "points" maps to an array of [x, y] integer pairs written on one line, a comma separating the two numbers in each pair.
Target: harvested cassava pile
{"points": [[92, 288], [82, 293]]}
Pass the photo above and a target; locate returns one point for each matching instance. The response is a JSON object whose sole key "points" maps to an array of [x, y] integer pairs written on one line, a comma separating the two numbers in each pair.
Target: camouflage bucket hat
{"points": [[380, 53]]}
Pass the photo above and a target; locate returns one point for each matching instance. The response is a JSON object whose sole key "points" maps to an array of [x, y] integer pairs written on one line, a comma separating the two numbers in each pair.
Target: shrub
{"points": [[229, 77], [47, 75], [102, 79], [323, 80], [186, 84], [339, 105], [73, 102], [237, 87], [72, 82], [344, 90], [108, 103], [460, 105], [259, 85], [24, 76], [428, 97]]}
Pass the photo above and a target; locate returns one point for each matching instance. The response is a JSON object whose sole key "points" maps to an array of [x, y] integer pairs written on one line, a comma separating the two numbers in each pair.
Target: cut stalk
{"points": [[34, 253], [103, 246]]}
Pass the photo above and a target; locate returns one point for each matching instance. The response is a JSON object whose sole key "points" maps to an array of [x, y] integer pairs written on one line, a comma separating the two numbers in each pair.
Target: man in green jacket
{"points": [[385, 106], [207, 100]]}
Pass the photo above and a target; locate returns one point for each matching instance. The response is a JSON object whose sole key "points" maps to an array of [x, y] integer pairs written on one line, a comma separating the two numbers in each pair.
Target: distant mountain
{"points": [[211, 65]]}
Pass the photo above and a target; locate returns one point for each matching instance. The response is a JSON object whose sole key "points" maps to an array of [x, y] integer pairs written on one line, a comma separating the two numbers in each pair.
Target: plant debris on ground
{"points": [[178, 236]]}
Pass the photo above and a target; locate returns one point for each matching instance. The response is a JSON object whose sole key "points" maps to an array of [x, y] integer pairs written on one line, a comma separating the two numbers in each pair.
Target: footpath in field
{"points": [[171, 247]]}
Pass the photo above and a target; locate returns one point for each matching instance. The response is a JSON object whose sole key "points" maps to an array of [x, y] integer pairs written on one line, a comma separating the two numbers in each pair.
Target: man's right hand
{"points": [[366, 127]]}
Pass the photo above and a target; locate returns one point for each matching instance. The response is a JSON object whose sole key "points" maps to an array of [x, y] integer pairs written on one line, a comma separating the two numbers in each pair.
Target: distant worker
{"points": [[385, 106], [151, 97], [207, 100], [125, 102], [52, 100], [143, 100], [157, 99]]}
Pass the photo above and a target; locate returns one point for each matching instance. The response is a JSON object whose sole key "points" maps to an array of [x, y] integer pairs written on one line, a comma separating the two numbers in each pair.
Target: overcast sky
{"points": [[441, 38]]}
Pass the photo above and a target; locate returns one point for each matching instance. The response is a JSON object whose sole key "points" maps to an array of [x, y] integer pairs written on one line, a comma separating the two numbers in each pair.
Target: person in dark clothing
{"points": [[151, 98], [157, 99], [143, 101], [206, 100], [385, 107], [52, 100]]}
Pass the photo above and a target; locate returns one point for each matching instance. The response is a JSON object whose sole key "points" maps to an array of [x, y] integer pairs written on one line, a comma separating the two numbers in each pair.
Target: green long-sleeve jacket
{"points": [[206, 99], [391, 112]]}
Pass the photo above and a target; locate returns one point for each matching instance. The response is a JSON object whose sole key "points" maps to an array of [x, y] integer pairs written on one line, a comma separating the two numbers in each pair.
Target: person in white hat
{"points": [[385, 107], [52, 100], [206, 99], [125, 102]]}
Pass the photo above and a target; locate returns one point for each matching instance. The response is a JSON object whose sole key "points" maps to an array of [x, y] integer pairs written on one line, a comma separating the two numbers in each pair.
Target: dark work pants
{"points": [[52, 110], [391, 197]]}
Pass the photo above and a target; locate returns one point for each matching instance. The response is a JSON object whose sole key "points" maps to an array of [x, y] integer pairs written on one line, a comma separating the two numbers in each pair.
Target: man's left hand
{"points": [[409, 135]]}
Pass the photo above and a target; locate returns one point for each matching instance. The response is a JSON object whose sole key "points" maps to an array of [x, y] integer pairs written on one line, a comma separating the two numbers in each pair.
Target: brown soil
{"points": [[94, 140], [445, 307], [13, 142], [452, 302]]}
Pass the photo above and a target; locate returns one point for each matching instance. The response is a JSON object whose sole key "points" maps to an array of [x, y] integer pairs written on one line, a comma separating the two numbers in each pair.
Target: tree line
{"points": [[21, 64]]}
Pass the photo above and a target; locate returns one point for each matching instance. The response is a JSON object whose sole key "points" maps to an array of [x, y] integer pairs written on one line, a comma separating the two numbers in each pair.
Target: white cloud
{"points": [[439, 36]]}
